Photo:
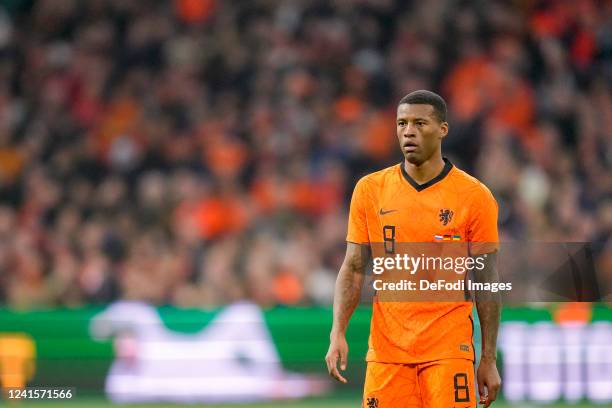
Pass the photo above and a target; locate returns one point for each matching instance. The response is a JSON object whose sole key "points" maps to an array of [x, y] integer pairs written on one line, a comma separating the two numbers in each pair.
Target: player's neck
{"points": [[426, 171]]}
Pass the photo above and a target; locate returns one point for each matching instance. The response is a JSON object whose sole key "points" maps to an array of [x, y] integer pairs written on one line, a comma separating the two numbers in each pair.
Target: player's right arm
{"points": [[350, 278], [346, 298]]}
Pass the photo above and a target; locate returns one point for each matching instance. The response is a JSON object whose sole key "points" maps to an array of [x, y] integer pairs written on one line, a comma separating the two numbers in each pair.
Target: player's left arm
{"points": [[484, 243], [488, 305]]}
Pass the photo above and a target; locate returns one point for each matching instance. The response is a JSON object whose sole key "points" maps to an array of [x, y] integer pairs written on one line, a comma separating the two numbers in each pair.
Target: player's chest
{"points": [[420, 217]]}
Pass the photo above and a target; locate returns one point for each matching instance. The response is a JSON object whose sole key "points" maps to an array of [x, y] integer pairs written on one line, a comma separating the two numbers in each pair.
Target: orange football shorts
{"points": [[445, 383]]}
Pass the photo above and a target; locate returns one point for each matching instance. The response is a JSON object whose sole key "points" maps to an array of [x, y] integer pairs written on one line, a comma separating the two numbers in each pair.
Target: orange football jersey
{"points": [[453, 206]]}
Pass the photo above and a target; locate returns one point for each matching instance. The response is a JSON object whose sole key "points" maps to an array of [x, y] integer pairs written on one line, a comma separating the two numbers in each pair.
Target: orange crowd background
{"points": [[196, 153]]}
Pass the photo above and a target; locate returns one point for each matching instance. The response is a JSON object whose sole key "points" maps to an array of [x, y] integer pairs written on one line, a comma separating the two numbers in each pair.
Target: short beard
{"points": [[415, 160]]}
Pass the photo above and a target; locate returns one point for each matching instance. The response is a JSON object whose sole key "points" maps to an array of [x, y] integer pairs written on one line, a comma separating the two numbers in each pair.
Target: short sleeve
{"points": [[357, 224], [483, 234]]}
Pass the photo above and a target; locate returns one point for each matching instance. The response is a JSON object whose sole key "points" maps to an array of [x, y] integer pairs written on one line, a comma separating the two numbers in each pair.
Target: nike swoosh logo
{"points": [[383, 212]]}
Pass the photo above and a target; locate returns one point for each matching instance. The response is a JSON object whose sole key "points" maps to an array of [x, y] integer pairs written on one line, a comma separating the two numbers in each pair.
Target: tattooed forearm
{"points": [[488, 305], [348, 285]]}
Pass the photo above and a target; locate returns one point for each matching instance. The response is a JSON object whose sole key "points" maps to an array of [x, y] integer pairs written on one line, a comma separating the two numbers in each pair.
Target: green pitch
{"points": [[312, 403]]}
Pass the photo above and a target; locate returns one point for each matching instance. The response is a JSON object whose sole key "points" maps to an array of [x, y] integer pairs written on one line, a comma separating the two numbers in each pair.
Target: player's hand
{"points": [[338, 349], [488, 381]]}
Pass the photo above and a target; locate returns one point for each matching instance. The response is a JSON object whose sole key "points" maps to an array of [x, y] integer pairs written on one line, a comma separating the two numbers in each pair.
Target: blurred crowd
{"points": [[199, 152]]}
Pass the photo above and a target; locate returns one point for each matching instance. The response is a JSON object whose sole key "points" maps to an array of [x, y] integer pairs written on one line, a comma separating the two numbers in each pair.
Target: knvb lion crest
{"points": [[372, 402], [446, 216]]}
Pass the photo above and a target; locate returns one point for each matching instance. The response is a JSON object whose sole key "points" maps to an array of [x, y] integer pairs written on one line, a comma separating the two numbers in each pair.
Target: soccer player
{"points": [[420, 353]]}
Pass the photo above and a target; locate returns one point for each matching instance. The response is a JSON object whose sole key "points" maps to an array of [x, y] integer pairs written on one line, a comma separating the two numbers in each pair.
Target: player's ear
{"points": [[444, 129]]}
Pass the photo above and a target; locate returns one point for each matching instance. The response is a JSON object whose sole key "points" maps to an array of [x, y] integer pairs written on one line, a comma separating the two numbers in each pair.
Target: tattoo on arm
{"points": [[348, 284], [488, 305]]}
